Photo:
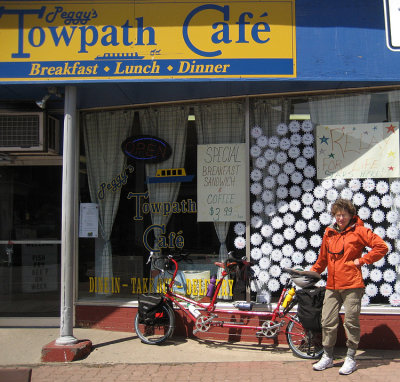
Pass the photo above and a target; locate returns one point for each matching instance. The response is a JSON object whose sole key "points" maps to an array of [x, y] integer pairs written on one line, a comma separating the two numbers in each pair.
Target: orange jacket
{"points": [[340, 249]]}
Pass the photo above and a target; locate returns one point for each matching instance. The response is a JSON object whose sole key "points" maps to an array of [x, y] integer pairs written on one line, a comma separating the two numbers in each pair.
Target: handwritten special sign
{"points": [[358, 151], [221, 175], [152, 39]]}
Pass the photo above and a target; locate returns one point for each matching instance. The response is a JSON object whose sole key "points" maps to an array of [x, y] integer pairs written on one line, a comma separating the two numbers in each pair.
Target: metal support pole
{"points": [[68, 229]]}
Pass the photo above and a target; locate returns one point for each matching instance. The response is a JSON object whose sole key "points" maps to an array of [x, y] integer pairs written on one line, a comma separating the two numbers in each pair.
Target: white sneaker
{"points": [[348, 367], [324, 363]]}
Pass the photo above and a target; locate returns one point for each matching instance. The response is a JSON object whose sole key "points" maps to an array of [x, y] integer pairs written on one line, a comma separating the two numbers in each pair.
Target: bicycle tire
{"points": [[301, 342], [160, 329]]}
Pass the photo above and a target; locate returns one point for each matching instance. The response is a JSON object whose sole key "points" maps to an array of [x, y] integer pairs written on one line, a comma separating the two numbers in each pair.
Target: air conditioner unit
{"points": [[27, 132]]}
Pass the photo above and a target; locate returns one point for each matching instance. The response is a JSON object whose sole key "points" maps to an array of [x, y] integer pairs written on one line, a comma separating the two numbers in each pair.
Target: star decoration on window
{"points": [[390, 128], [324, 139]]}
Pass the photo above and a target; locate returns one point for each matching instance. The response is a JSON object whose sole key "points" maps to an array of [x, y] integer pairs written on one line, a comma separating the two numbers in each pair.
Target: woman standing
{"points": [[341, 251]]}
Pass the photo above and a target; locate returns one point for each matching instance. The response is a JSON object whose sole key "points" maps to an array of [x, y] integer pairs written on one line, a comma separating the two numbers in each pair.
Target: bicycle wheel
{"points": [[304, 343], [159, 329]]}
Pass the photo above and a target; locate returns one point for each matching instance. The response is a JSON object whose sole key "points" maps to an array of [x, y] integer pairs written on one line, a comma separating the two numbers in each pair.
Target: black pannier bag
{"points": [[150, 307], [309, 309]]}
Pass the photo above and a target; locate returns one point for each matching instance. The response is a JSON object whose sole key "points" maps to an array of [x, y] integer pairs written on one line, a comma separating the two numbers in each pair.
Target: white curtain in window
{"points": [[269, 113], [103, 134], [220, 123], [170, 124], [333, 110], [394, 105]]}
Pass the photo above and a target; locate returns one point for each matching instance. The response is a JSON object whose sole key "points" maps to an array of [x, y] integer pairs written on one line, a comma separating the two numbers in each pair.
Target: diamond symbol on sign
{"points": [[106, 69], [170, 68]]}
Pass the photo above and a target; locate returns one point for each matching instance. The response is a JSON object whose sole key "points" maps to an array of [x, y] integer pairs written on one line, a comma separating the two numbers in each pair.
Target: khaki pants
{"points": [[334, 299]]}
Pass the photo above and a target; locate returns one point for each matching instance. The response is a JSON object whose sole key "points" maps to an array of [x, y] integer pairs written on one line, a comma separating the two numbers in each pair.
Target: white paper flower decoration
{"points": [[307, 185], [393, 258], [385, 290], [282, 192], [307, 126], [307, 199], [387, 201], [273, 285], [339, 183], [273, 169], [284, 144], [262, 141], [396, 201], [358, 199], [276, 255], [240, 229], [257, 207], [325, 218], [256, 132], [378, 216], [294, 126], [300, 226], [308, 139], [282, 129], [364, 213], [319, 192], [295, 192], [395, 187], [368, 185], [273, 142], [277, 222], [295, 139], [256, 188], [380, 263], [301, 243], [269, 182], [295, 206], [294, 152], [307, 213], [269, 155], [394, 299], [264, 263], [314, 225], [392, 232], [266, 230], [310, 256], [289, 219], [327, 184], [277, 239], [263, 276], [382, 187], [365, 300], [346, 193], [256, 175], [287, 249], [375, 275], [281, 157], [308, 152], [297, 257], [289, 168], [315, 241], [364, 272], [256, 221], [240, 242], [267, 196], [261, 162], [285, 276], [397, 287], [282, 179], [354, 185], [286, 262], [371, 290], [256, 239], [389, 275], [296, 177], [289, 233], [301, 163], [255, 151], [255, 253], [319, 206], [374, 201], [256, 269], [275, 271], [331, 194], [282, 206], [266, 248], [309, 171]]}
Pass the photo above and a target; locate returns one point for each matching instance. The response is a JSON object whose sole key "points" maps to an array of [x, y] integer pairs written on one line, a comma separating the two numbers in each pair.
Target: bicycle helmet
{"points": [[303, 279]]}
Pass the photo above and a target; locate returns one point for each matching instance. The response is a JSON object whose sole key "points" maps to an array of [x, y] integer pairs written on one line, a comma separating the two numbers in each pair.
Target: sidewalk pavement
{"points": [[119, 356]]}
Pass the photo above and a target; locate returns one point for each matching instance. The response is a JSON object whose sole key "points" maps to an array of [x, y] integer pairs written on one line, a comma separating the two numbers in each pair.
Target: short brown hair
{"points": [[343, 204]]}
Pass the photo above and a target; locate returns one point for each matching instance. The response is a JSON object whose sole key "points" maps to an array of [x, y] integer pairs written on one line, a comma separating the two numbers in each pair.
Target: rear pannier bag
{"points": [[150, 307], [309, 309]]}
